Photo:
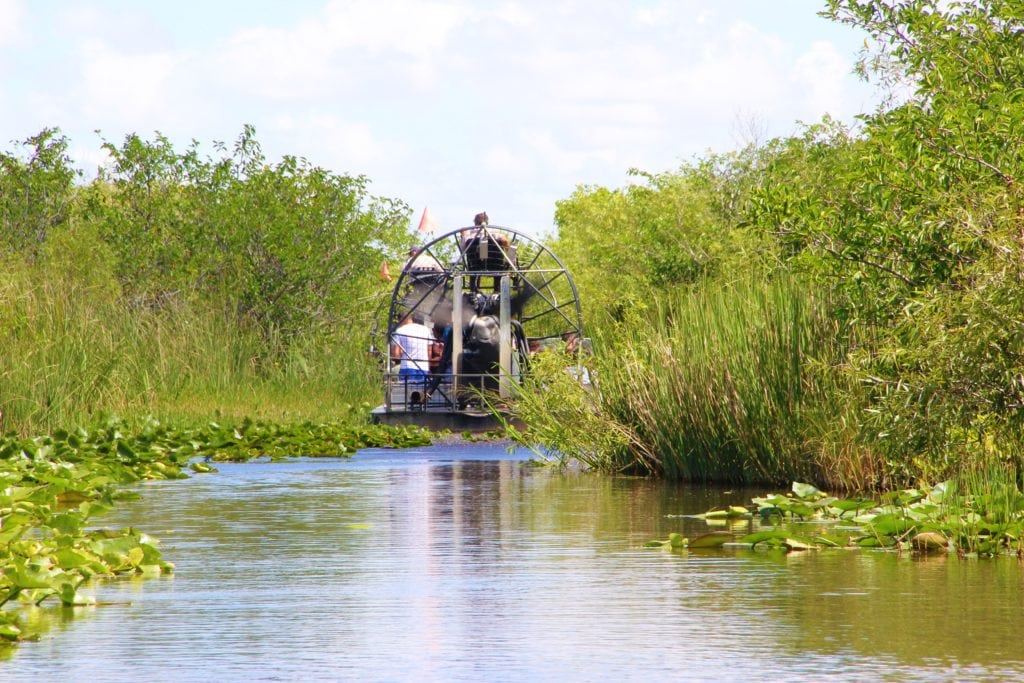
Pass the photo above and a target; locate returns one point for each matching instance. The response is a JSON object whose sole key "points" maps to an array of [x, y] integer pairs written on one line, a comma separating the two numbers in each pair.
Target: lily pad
{"points": [[714, 539]]}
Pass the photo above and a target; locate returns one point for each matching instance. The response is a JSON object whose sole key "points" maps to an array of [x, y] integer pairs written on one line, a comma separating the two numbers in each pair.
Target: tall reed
{"points": [[983, 509], [74, 350], [728, 383]]}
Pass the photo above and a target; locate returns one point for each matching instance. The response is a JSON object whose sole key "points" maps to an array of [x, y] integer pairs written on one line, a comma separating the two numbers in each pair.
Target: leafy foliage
{"points": [[909, 226], [173, 277], [35, 192], [665, 231], [970, 517], [289, 247]]}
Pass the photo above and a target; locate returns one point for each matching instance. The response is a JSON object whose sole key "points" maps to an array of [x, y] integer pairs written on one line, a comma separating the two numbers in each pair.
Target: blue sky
{"points": [[456, 105]]}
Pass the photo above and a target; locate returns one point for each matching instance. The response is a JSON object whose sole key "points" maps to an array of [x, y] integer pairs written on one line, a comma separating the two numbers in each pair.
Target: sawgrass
{"points": [[74, 351]]}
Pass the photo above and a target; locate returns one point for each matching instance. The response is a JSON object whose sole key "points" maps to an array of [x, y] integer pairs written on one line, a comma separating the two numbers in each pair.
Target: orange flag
{"points": [[427, 222], [385, 272]]}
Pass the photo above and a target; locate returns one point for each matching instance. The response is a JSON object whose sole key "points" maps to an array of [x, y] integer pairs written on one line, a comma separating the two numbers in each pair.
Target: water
{"points": [[466, 563]]}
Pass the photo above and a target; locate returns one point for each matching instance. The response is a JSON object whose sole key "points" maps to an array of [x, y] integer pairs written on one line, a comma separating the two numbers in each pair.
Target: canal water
{"points": [[468, 563]]}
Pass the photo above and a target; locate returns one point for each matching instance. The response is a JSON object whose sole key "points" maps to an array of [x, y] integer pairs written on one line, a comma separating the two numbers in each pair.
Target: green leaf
{"points": [[71, 559], [806, 491], [125, 451], [853, 504], [890, 524], [66, 522], [762, 536], [875, 542], [70, 597], [26, 577], [713, 539]]}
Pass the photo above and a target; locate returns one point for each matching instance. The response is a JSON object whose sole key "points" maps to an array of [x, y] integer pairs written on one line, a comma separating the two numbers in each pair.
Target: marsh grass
{"points": [[74, 351], [571, 422], [720, 383], [723, 383], [984, 512]]}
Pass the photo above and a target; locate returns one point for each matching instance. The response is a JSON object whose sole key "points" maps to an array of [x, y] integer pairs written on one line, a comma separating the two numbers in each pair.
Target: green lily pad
{"points": [[806, 491], [713, 539]]}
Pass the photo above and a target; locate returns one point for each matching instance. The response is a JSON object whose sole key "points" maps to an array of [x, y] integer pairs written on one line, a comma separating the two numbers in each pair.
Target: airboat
{"points": [[467, 314]]}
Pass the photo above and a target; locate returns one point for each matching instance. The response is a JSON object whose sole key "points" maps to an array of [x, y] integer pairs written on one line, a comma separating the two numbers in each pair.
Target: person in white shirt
{"points": [[411, 347]]}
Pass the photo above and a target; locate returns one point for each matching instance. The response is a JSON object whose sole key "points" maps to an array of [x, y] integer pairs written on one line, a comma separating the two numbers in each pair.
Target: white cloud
{"points": [[674, 14], [738, 70], [500, 159], [627, 93], [323, 138], [403, 26], [12, 13], [514, 14], [89, 158], [819, 73], [347, 44], [126, 88], [544, 146], [275, 63]]}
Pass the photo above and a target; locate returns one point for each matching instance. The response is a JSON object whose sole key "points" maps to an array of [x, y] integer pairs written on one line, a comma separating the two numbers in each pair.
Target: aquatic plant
{"points": [[728, 383], [979, 515], [570, 421]]}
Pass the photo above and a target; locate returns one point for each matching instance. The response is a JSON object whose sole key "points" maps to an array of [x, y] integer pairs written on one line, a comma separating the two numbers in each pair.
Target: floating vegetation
{"points": [[253, 439], [978, 516], [483, 437], [52, 487]]}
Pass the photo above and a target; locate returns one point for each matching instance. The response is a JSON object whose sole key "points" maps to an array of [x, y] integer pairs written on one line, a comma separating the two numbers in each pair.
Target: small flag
{"points": [[385, 272], [427, 222]]}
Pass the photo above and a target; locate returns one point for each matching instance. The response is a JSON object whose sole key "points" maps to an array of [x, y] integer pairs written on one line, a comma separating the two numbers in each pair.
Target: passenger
{"points": [[421, 265], [411, 347], [485, 250], [479, 229], [442, 367], [572, 342], [508, 253], [437, 348], [575, 347]]}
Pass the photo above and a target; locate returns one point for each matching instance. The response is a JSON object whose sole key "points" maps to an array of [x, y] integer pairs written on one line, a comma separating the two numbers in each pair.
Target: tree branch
{"points": [[867, 262]]}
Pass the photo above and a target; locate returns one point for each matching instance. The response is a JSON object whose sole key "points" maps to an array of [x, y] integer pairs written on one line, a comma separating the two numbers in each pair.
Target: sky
{"points": [[456, 105]]}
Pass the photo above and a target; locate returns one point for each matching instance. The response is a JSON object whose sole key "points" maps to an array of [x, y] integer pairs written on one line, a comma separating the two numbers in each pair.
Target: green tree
{"points": [[917, 221], [35, 191], [628, 247], [289, 248]]}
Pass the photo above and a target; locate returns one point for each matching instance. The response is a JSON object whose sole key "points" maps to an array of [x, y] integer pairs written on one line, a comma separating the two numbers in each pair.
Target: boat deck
{"points": [[438, 418]]}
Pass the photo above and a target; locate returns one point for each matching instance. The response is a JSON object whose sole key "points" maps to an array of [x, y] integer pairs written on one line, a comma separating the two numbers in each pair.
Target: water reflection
{"points": [[467, 563]]}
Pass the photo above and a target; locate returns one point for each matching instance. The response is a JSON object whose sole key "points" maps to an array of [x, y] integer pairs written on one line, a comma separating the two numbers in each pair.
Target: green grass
{"points": [[719, 384], [731, 384], [76, 351]]}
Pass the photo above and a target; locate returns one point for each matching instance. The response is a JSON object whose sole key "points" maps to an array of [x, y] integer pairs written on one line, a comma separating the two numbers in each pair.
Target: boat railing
{"points": [[439, 393]]}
